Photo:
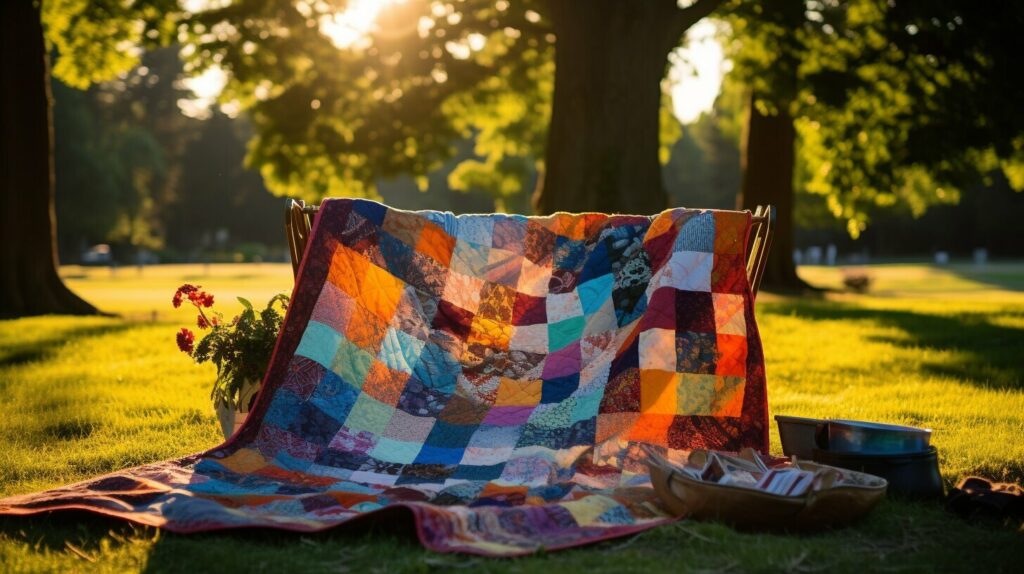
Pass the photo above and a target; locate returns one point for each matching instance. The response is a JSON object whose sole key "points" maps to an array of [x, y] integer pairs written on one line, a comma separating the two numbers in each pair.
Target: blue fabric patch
{"points": [[343, 459], [437, 369], [289, 462], [399, 351], [551, 492], [568, 253], [334, 395], [597, 263], [397, 254], [467, 472], [595, 292], [470, 258], [586, 406], [439, 455], [371, 210], [283, 408], [315, 425], [448, 435], [478, 230], [559, 389], [616, 515], [626, 315], [399, 451], [219, 487], [697, 234], [319, 343]]}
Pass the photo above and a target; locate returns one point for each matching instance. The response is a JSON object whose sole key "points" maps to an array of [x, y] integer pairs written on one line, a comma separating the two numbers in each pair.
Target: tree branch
{"points": [[686, 17]]}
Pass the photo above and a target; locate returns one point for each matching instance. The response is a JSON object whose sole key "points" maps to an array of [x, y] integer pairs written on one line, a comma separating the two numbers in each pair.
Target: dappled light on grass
{"points": [[94, 399], [146, 295]]}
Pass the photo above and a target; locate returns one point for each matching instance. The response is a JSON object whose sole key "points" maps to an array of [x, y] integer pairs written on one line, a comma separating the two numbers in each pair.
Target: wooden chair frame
{"points": [[298, 222]]}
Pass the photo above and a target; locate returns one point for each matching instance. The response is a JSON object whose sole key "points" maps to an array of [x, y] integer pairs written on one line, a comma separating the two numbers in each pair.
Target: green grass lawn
{"points": [[943, 348]]}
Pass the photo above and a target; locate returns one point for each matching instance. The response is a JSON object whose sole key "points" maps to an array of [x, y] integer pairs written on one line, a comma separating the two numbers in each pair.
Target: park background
{"points": [[151, 165], [889, 130]]}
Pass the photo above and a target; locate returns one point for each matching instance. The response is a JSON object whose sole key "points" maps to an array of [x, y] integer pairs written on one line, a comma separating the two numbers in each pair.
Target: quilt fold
{"points": [[493, 374]]}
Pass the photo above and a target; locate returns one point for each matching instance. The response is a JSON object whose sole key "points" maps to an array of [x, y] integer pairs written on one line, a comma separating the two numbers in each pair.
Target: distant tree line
{"points": [[137, 174]]}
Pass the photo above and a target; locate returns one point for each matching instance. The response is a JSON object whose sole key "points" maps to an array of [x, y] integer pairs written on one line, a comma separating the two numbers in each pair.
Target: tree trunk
{"points": [[29, 283], [768, 160], [602, 150]]}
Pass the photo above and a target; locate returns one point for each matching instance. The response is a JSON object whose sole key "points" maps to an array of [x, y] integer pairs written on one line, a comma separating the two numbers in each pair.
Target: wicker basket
{"points": [[742, 507]]}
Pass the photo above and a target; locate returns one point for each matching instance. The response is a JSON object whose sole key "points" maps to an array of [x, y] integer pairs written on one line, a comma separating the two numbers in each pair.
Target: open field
{"points": [[942, 348]]}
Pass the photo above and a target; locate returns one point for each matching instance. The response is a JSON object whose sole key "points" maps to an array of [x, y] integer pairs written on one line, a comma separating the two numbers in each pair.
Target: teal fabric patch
{"points": [[564, 332]]}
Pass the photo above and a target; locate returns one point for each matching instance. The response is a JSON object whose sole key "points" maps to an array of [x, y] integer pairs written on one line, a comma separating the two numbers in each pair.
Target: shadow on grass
{"points": [[1002, 276], [85, 537], [899, 534], [989, 356], [21, 353]]}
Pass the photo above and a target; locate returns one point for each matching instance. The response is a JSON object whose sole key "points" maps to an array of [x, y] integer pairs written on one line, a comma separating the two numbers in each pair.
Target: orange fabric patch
{"points": [[347, 267], [350, 499], [366, 330], [436, 244], [491, 490], [730, 232], [732, 356], [512, 393], [651, 428], [244, 460], [658, 391], [661, 225], [573, 226], [384, 384], [381, 291], [612, 424]]}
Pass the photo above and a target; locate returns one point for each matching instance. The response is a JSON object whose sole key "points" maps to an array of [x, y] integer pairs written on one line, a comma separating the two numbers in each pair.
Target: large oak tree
{"points": [[29, 283], [875, 105], [98, 37]]}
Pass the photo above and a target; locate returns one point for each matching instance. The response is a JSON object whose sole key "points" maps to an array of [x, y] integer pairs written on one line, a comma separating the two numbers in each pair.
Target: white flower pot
{"points": [[232, 417]]}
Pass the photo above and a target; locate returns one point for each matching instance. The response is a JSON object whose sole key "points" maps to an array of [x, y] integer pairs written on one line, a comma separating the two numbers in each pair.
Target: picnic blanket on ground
{"points": [[494, 375]]}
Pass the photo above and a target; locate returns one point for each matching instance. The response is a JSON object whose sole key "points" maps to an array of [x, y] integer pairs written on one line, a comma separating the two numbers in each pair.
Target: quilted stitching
{"points": [[492, 373]]}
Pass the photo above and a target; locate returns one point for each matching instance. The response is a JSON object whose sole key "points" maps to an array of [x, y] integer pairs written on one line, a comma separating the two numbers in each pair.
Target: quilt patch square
{"points": [[529, 310], [408, 428], [436, 244]]}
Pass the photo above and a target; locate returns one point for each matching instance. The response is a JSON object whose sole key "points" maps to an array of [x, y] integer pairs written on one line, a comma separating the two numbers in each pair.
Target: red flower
{"points": [[201, 322], [201, 299], [186, 339], [186, 289]]}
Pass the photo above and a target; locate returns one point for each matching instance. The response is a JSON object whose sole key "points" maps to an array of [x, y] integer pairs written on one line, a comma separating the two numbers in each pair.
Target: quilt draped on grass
{"points": [[494, 375]]}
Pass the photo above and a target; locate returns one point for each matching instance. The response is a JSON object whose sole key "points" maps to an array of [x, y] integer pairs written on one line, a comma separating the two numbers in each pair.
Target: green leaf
{"points": [[245, 302]]}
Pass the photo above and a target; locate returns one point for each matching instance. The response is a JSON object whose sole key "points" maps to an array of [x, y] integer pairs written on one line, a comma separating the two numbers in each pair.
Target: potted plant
{"points": [[240, 349]]}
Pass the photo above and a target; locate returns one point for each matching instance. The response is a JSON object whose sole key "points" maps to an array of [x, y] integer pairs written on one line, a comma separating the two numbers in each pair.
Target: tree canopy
{"points": [[896, 104], [336, 106]]}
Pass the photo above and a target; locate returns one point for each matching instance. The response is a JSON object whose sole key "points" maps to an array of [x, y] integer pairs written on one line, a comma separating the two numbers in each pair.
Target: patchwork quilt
{"points": [[494, 375]]}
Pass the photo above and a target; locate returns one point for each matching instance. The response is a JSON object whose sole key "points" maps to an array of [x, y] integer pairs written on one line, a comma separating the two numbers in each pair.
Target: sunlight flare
{"points": [[352, 27]]}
